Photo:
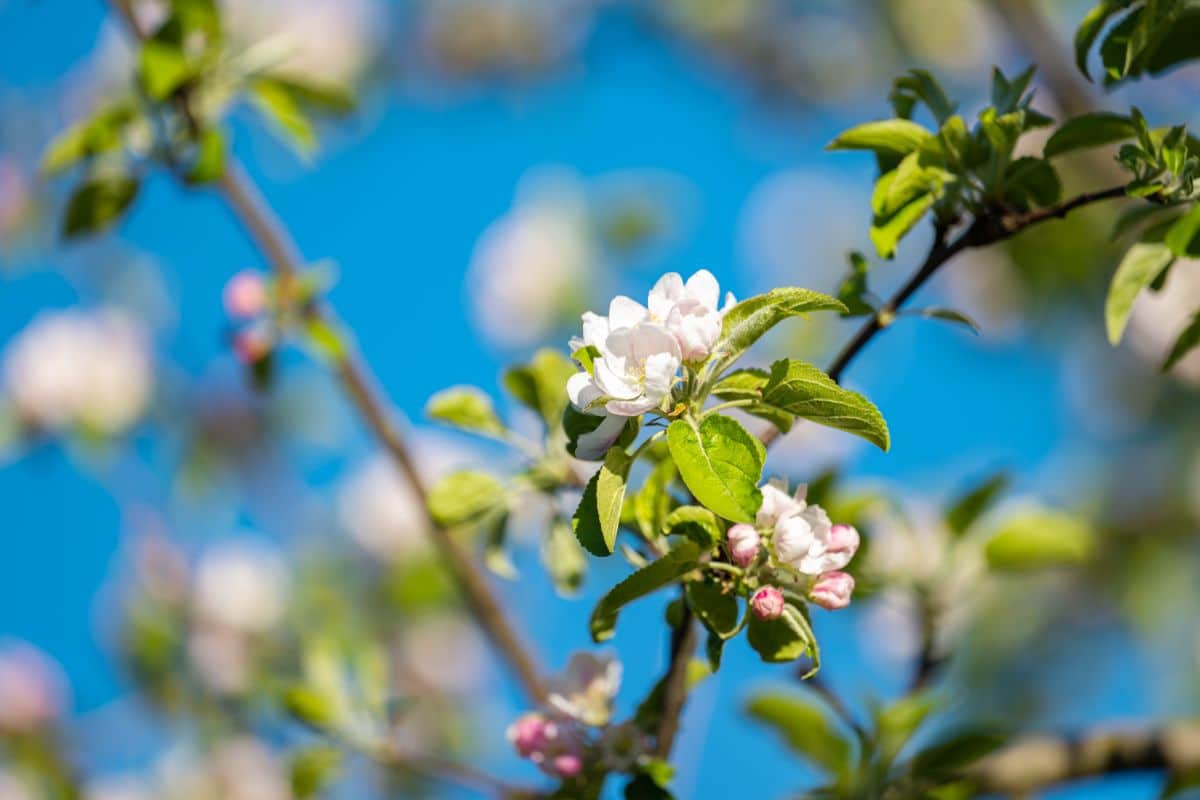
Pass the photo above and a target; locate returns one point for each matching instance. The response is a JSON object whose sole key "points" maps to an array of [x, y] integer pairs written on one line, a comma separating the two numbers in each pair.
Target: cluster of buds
{"points": [[574, 728], [794, 543], [247, 301]]}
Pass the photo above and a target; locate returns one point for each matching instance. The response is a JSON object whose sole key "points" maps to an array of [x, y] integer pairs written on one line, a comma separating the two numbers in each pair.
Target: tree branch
{"points": [[280, 250], [683, 644], [1042, 760]]}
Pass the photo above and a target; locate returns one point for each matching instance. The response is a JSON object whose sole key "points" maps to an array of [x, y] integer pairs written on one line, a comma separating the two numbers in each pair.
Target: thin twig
{"points": [[278, 247]]}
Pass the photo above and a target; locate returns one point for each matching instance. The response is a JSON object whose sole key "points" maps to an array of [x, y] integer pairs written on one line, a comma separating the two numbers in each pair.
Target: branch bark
{"points": [[280, 250], [1043, 760], [684, 640]]}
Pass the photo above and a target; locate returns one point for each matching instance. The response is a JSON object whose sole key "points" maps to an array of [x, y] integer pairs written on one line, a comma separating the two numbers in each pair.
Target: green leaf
{"points": [[327, 97], [721, 463], [807, 727], [467, 408], [313, 769], [541, 385], [1137, 270], [950, 315], [464, 496], [99, 203], [1182, 236], [1089, 130], [1090, 28], [102, 133], [803, 390], [495, 548], [643, 787], [1040, 539], [966, 510], [853, 289], [695, 523], [309, 706], [886, 232], [563, 558], [653, 501], [746, 322], [784, 639], [163, 68], [277, 104], [1032, 182], [895, 137], [714, 607], [1187, 341], [598, 517], [957, 750], [897, 722], [923, 86], [651, 578], [209, 161]]}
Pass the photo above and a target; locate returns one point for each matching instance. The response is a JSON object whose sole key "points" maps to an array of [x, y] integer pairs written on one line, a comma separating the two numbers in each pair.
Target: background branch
{"points": [[279, 249]]}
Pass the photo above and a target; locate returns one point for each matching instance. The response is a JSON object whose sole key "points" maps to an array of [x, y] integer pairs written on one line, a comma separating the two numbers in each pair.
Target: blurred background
{"points": [[511, 163]]}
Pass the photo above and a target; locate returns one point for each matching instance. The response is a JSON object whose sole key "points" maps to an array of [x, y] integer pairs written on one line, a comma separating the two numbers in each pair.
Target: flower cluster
{"points": [[575, 728], [247, 300], [637, 351], [79, 369], [802, 546]]}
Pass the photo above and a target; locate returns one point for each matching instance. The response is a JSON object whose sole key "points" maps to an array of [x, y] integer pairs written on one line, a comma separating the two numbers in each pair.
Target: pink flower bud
{"points": [[567, 765], [245, 295], [832, 590], [743, 543], [767, 603], [528, 734], [253, 344]]}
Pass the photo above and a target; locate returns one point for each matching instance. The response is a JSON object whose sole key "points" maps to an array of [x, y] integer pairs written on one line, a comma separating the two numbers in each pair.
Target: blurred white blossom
{"points": [[480, 36], [530, 267], [585, 691], [240, 587], [33, 690], [381, 511], [78, 368], [13, 787], [445, 651]]}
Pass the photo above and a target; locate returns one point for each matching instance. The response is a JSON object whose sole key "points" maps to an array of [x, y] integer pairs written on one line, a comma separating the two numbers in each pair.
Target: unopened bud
{"points": [[767, 603], [743, 543], [832, 590]]}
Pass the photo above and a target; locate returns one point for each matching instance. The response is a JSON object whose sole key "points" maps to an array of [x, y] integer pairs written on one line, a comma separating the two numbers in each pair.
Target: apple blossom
{"points": [[776, 503], [240, 587], [804, 538], [382, 512], [32, 688], [555, 745], [245, 295], [743, 542], [689, 311], [767, 603], [832, 590], [586, 689], [73, 367]]}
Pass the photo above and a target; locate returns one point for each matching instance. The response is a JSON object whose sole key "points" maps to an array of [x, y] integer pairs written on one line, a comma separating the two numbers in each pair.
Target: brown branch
{"points": [[684, 640], [1042, 760], [280, 250], [437, 768]]}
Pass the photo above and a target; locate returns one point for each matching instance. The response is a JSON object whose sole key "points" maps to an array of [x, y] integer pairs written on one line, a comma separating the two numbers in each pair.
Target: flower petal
{"points": [[624, 312], [703, 287]]}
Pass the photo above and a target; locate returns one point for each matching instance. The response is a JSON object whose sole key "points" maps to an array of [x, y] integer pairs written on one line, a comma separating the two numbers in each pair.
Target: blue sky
{"points": [[398, 201]]}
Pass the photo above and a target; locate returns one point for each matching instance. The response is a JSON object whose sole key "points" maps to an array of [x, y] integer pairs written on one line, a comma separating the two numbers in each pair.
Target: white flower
{"points": [[240, 587], [804, 537], [444, 651], [586, 690], [689, 311], [382, 512], [32, 688], [531, 266], [79, 368]]}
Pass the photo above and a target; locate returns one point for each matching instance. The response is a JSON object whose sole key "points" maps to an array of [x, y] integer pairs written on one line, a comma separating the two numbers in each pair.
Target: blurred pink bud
{"points": [[743, 544], [567, 766], [529, 734], [253, 344], [32, 688], [832, 590], [767, 603], [245, 295]]}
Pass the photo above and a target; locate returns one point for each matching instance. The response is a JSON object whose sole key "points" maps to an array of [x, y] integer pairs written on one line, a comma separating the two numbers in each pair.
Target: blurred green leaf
{"points": [[541, 385], [99, 203], [950, 315], [464, 496], [467, 408], [313, 769], [1187, 341], [162, 68], [807, 727], [1040, 539], [1183, 237], [101, 133], [1140, 266], [277, 105], [563, 558], [966, 510]]}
